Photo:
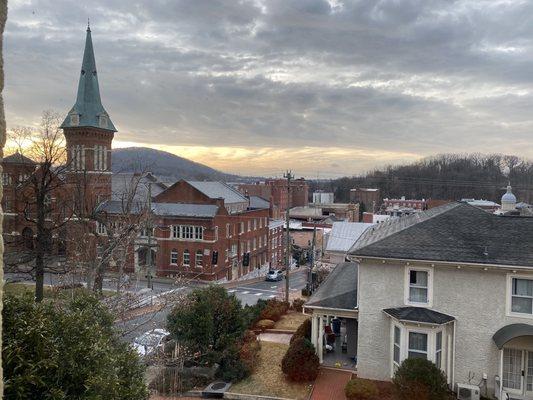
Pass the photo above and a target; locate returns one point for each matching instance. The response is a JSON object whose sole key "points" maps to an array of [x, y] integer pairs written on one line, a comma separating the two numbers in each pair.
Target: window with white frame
{"points": [[241, 228], [199, 258], [418, 285], [418, 345], [228, 232], [260, 223], [6, 179], [438, 350], [100, 228], [186, 258], [249, 225], [187, 232], [522, 296], [255, 224], [396, 346], [175, 231], [174, 256], [254, 244]]}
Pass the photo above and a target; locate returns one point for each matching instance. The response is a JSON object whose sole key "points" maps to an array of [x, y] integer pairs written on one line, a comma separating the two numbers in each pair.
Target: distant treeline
{"points": [[446, 177]]}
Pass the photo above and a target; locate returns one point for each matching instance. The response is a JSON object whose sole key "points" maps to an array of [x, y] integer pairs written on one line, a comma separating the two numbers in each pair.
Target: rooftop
{"points": [[344, 235], [418, 314], [17, 158], [217, 190], [162, 209], [339, 290], [455, 232]]}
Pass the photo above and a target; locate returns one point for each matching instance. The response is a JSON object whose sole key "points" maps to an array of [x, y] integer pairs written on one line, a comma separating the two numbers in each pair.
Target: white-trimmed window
{"points": [[254, 243], [6, 179], [418, 286], [438, 350], [255, 224], [175, 231], [396, 347], [228, 230], [199, 258], [100, 228], [249, 225], [174, 256], [417, 345], [241, 228], [186, 258], [522, 296]]}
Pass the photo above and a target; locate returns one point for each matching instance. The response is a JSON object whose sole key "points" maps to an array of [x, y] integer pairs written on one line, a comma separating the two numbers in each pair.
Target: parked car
{"points": [[274, 275], [151, 342]]}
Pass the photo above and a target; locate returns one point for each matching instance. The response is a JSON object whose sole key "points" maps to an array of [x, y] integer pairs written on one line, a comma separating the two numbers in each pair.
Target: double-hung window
{"points": [[438, 350], [418, 286], [522, 296], [199, 258], [418, 345], [175, 231], [186, 258], [396, 347], [174, 256]]}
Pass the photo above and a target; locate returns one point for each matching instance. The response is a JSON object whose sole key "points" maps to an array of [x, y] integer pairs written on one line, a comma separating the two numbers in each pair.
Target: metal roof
{"points": [[216, 190], [162, 209], [88, 104], [344, 235], [257, 202]]}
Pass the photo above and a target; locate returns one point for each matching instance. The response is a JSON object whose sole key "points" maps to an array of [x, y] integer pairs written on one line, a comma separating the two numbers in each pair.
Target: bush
{"points": [[303, 331], [249, 336], [274, 309], [252, 314], [420, 379], [298, 305], [265, 324], [66, 350], [361, 389], [306, 292], [300, 363], [249, 354], [232, 368]]}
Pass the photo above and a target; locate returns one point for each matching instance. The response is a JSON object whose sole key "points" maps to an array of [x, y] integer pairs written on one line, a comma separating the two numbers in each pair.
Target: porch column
{"points": [[321, 339], [314, 331], [501, 375]]}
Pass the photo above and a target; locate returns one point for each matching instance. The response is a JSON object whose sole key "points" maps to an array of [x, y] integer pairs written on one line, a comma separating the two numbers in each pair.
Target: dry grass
{"points": [[291, 321], [49, 293], [268, 380]]}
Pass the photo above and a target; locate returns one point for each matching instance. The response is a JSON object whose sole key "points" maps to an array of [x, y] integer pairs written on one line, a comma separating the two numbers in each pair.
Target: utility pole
{"points": [[288, 256], [149, 233], [313, 251]]}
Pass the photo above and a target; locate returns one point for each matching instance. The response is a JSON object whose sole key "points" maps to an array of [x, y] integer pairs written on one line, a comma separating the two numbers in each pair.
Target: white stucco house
{"points": [[453, 284]]}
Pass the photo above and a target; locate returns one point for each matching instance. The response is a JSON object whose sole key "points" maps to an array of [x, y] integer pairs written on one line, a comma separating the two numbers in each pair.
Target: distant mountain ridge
{"points": [[167, 166]]}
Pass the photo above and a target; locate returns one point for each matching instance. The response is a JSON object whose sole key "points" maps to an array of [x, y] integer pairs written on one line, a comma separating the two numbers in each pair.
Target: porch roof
{"points": [[418, 314], [339, 290], [509, 332]]}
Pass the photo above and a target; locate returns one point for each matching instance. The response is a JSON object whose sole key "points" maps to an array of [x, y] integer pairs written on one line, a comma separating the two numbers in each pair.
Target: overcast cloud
{"points": [[330, 87]]}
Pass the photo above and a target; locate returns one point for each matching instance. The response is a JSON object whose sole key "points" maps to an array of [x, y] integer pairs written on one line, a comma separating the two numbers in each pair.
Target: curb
{"points": [[242, 396], [280, 331], [233, 284]]}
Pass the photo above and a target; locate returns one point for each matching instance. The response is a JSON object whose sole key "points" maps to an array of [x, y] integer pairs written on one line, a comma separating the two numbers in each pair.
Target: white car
{"points": [[150, 342], [274, 276]]}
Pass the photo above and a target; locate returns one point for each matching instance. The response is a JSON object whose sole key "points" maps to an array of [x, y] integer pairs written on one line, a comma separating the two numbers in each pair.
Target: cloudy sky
{"points": [[325, 87]]}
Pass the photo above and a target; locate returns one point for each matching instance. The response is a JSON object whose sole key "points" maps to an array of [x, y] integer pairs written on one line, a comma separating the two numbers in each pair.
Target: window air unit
{"points": [[467, 392]]}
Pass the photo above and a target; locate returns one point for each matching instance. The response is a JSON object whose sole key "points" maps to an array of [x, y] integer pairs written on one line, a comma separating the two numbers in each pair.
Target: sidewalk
{"points": [[329, 384]]}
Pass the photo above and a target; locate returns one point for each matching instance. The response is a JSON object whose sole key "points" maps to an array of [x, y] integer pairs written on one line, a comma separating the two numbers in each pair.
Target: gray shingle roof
{"points": [[17, 158], [455, 232], [163, 209], [215, 190], [339, 290], [418, 314]]}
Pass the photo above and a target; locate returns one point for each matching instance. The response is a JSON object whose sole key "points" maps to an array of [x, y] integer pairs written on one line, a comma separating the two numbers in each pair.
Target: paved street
{"points": [[248, 293]]}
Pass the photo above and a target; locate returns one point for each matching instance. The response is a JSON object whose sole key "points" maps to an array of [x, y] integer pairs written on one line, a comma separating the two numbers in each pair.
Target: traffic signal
{"points": [[246, 259], [214, 258]]}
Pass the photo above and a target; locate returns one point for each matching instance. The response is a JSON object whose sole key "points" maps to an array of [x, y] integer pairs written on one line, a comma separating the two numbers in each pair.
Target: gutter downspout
{"points": [[453, 353], [500, 383]]}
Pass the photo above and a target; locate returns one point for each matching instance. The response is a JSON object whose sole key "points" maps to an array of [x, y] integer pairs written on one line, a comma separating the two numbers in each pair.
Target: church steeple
{"points": [[88, 110]]}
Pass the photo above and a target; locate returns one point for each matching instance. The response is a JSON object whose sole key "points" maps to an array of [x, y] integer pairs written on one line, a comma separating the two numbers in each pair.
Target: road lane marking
{"points": [[272, 296], [274, 287], [246, 292], [232, 291], [258, 294]]}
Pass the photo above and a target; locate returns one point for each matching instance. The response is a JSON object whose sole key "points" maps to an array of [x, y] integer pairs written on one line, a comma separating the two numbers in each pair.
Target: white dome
{"points": [[508, 200]]}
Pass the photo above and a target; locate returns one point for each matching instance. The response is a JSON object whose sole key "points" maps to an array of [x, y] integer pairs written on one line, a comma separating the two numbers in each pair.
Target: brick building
{"points": [[275, 190], [369, 197]]}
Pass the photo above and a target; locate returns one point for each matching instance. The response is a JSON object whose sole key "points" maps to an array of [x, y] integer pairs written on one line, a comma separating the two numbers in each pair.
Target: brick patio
{"points": [[329, 384]]}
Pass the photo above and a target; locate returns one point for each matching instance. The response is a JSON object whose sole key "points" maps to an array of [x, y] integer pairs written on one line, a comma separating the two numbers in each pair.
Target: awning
{"points": [[509, 332]]}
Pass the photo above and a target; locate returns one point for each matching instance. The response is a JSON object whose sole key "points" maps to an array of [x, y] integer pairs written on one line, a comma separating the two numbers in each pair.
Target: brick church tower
{"points": [[89, 133]]}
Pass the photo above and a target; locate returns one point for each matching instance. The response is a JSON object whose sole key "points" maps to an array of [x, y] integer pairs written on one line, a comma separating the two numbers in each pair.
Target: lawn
{"points": [[21, 288], [268, 380], [291, 321]]}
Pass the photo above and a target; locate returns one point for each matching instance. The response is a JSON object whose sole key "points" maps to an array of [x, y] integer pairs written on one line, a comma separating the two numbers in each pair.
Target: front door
{"points": [[518, 372], [512, 371]]}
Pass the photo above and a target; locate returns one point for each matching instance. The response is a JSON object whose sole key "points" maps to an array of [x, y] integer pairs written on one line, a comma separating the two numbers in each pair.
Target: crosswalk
{"points": [[264, 293]]}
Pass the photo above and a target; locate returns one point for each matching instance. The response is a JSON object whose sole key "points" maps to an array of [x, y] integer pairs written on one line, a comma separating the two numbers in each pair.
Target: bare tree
{"points": [[38, 195]]}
